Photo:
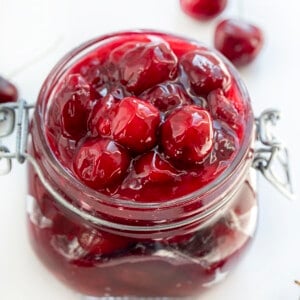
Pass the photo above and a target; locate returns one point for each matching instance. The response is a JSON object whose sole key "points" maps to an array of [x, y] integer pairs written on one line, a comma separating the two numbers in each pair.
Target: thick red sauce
{"points": [[146, 118]]}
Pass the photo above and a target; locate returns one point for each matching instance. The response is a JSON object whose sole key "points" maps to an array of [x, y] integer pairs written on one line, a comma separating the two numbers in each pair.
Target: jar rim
{"points": [[55, 75]]}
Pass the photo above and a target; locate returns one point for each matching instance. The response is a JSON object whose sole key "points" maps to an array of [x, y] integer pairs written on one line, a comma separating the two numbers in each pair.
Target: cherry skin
{"points": [[154, 168], [75, 99], [147, 65], [223, 108], [102, 115], [203, 9], [234, 94], [135, 124], [225, 143], [166, 96], [8, 92], [205, 71], [238, 40], [187, 134], [100, 162]]}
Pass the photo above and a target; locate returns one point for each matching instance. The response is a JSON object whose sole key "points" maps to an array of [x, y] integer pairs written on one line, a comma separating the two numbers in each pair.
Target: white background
{"points": [[35, 34]]}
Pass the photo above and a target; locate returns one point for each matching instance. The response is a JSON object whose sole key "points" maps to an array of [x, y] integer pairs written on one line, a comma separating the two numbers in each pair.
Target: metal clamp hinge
{"points": [[13, 115], [271, 156]]}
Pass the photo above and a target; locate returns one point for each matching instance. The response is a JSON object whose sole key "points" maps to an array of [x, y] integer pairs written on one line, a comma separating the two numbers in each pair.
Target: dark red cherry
{"points": [[135, 124], [187, 134], [205, 71], [102, 115], [117, 54], [225, 144], [166, 96], [147, 65], [74, 99], [203, 9], [100, 162], [234, 93], [8, 92], [238, 40], [223, 108], [152, 167]]}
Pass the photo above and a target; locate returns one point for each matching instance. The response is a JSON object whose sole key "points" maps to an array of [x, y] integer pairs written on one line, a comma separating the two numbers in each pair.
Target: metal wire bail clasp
{"points": [[271, 156], [13, 116]]}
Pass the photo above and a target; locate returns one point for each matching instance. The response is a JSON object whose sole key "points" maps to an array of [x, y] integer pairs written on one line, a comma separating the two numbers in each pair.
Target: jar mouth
{"points": [[51, 81]]}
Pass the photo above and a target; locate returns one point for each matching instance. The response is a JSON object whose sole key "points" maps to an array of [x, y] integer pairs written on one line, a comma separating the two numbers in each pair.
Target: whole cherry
{"points": [[8, 92], [223, 108], [187, 134], [74, 98], [154, 168], [238, 40], [135, 124], [100, 162], [205, 72], [203, 9]]}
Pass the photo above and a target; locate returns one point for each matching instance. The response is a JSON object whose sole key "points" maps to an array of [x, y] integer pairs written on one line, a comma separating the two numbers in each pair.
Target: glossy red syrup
{"points": [[145, 118]]}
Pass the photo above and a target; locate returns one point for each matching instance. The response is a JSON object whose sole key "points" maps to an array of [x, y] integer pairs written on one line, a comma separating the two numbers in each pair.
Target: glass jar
{"points": [[101, 246]]}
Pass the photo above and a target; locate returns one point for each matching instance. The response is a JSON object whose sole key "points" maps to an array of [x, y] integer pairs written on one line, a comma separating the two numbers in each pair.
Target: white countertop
{"points": [[35, 34]]}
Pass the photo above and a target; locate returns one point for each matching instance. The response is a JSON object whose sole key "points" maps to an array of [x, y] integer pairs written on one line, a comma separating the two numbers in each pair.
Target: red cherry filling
{"points": [[156, 140], [100, 162], [135, 124], [97, 242], [225, 144], [102, 116], [154, 168], [8, 92], [147, 65], [156, 129], [73, 119], [92, 71], [166, 96], [215, 243], [203, 9], [238, 40], [117, 54], [74, 99], [223, 109], [187, 134], [234, 94], [205, 71], [62, 226]]}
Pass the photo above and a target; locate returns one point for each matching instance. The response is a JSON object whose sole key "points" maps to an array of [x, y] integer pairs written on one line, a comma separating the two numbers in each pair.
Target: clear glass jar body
{"points": [[174, 249]]}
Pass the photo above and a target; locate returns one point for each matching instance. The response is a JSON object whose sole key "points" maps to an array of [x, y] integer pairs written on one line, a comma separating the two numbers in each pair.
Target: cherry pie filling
{"points": [[146, 118]]}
